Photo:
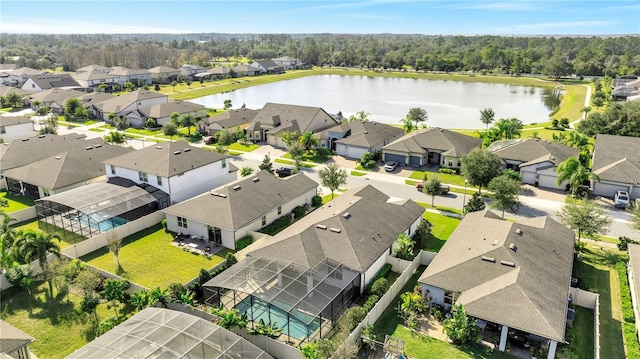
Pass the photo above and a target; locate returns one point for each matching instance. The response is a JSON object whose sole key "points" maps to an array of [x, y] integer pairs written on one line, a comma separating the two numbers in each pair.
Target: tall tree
{"points": [[362, 116], [290, 137], [487, 116], [479, 167], [308, 139], [14, 100], [227, 104], [476, 203], [114, 243], [266, 164], [332, 177], [36, 245], [460, 328], [188, 121], [432, 188], [585, 217], [114, 291], [71, 105], [575, 173], [505, 193], [170, 129], [417, 114], [407, 125], [7, 239]]}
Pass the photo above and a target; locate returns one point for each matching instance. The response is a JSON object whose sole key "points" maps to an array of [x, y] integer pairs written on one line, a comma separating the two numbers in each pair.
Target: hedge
{"points": [[631, 340], [243, 242], [382, 273], [625, 293]]}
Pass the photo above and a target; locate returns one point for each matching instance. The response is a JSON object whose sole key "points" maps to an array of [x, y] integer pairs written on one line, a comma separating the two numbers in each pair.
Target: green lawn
{"points": [[36, 225], [442, 228], [58, 326], [243, 147], [93, 129], [15, 203], [143, 131], [291, 162], [582, 344], [357, 173], [308, 158], [149, 259], [444, 177]]}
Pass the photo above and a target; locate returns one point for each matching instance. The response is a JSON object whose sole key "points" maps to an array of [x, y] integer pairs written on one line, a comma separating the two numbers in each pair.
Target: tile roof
{"points": [[255, 196], [531, 151], [367, 134], [20, 152], [166, 159], [166, 109], [6, 121], [12, 338], [617, 158], [48, 81], [344, 230], [448, 142], [70, 167], [518, 280]]}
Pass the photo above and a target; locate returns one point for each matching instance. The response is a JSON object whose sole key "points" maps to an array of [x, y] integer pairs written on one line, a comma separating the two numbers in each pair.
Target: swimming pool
{"points": [[295, 329], [104, 225]]}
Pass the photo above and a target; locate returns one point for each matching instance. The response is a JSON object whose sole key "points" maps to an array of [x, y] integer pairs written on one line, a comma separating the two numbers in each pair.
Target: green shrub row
{"points": [[243, 242], [448, 170], [631, 340], [277, 225], [625, 293], [382, 273], [370, 303]]}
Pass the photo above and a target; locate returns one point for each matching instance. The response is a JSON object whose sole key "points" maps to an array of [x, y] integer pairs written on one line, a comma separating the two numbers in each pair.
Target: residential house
{"points": [[14, 343], [135, 76], [435, 145], [164, 74], [161, 113], [231, 120], [5, 73], [344, 230], [12, 128], [268, 67], [6, 90], [53, 98], [49, 81], [536, 160], [274, 119], [7, 67], [514, 275], [91, 98], [93, 69], [633, 272], [616, 160], [64, 171], [218, 72], [28, 150], [245, 70], [352, 139], [20, 76], [188, 72], [288, 62], [228, 213], [158, 332], [177, 168], [122, 105], [91, 80]]}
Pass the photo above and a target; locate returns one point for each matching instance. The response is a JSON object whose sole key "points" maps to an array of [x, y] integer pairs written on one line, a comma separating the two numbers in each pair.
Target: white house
{"points": [[161, 113], [188, 72], [49, 81], [19, 76], [177, 168], [134, 76], [164, 74], [288, 62], [616, 160], [268, 67], [94, 79], [228, 213], [352, 139], [12, 128], [93, 69]]}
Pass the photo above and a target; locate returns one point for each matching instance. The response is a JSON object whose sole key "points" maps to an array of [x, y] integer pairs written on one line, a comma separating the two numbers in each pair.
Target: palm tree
{"points": [[7, 239], [34, 245], [575, 173], [308, 139], [404, 246], [581, 142], [407, 125], [417, 114], [115, 137], [362, 116], [188, 121], [487, 116], [585, 110]]}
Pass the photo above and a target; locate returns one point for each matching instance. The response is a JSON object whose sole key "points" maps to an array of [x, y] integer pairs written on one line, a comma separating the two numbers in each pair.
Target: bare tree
{"points": [[114, 243]]}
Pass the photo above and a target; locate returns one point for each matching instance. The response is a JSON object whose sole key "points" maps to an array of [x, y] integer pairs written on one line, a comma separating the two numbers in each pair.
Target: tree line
{"points": [[583, 56]]}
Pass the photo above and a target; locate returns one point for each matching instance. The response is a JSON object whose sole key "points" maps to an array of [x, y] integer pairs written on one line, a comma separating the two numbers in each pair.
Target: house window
{"points": [[224, 163], [279, 211], [450, 297], [182, 222], [113, 169], [143, 177], [450, 164], [159, 180], [264, 220]]}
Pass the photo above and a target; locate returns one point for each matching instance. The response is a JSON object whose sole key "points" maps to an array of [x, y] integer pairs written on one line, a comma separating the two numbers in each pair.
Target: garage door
{"points": [[355, 152], [529, 177], [607, 189], [341, 150], [549, 182], [388, 157], [414, 160]]}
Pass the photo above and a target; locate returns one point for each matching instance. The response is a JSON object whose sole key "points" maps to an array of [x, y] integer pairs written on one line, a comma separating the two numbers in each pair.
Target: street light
{"points": [[464, 196]]}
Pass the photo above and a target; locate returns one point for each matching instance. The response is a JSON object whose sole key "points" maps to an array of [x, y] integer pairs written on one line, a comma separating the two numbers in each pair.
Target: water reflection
{"points": [[551, 98]]}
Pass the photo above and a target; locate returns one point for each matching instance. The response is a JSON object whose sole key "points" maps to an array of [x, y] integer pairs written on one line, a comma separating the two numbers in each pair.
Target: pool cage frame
{"points": [[314, 298], [81, 211]]}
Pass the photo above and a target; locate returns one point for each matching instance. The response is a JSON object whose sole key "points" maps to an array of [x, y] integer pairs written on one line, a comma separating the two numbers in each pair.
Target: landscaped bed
{"points": [[148, 258]]}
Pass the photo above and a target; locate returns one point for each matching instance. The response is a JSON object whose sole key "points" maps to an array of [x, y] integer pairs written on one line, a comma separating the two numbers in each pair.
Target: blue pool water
{"points": [[278, 317], [104, 225]]}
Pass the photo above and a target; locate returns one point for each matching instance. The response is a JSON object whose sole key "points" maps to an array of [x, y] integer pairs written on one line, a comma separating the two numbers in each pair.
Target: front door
{"points": [[215, 235]]}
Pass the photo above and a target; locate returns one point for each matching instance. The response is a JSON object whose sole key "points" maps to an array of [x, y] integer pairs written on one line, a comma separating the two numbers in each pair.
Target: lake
{"points": [[449, 104]]}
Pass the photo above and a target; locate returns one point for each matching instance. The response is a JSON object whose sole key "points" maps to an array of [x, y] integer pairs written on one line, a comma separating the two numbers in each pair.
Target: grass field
{"points": [[443, 177], [69, 238], [442, 229], [149, 259], [243, 147], [15, 203]]}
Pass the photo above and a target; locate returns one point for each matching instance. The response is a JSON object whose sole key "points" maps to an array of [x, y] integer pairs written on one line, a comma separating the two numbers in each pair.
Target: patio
{"points": [[196, 244]]}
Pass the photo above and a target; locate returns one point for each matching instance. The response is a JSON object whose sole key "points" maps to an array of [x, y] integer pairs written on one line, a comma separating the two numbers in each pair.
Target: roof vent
{"points": [[513, 247], [215, 194], [97, 146], [176, 153], [88, 148], [158, 147], [508, 264], [58, 157], [223, 195], [25, 139], [335, 230], [321, 226], [346, 215], [365, 132], [495, 243], [519, 231], [236, 188], [187, 150], [488, 259], [42, 136], [256, 179]]}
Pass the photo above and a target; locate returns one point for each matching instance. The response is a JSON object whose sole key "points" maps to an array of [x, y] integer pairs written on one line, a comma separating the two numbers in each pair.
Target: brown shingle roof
{"points": [[368, 134], [617, 158], [291, 117], [531, 151], [435, 139]]}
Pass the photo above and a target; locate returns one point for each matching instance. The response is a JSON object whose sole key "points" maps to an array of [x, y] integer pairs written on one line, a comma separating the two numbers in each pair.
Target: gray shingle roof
{"points": [[531, 151], [93, 98], [435, 139], [163, 69], [6, 121], [231, 119], [92, 68], [26, 71], [166, 159], [252, 200], [6, 90], [12, 338], [356, 240], [55, 95], [118, 103], [48, 81], [85, 76], [531, 295], [123, 71], [166, 109], [283, 117], [617, 158], [19, 152], [69, 167], [367, 134]]}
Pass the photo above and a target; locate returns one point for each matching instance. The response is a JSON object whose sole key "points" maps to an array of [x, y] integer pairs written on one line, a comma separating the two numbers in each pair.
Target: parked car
{"points": [[390, 166], [208, 140], [284, 171], [621, 199], [444, 188]]}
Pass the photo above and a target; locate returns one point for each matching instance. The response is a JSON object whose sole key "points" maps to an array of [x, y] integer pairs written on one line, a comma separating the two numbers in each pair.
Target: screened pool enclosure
{"points": [[304, 302], [95, 208]]}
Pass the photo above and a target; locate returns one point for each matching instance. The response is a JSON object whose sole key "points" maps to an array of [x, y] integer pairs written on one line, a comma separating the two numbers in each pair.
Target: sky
{"points": [[427, 17]]}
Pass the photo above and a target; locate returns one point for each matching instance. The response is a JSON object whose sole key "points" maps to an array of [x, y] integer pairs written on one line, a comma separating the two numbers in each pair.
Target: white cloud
{"points": [[50, 26]]}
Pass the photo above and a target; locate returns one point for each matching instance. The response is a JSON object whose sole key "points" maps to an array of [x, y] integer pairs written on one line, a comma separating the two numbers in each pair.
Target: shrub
{"points": [[164, 224], [631, 340], [370, 303], [243, 242], [369, 164], [150, 123], [380, 286], [366, 157], [299, 211], [316, 201], [277, 225], [449, 171], [377, 156], [352, 318], [382, 273], [230, 259], [625, 293]]}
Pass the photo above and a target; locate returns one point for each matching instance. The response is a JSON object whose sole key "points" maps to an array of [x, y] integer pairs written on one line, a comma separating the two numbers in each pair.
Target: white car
{"points": [[390, 166], [621, 199]]}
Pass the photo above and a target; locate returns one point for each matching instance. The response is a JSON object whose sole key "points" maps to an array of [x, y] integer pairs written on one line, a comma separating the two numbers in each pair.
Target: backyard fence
{"points": [[24, 215], [589, 300]]}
